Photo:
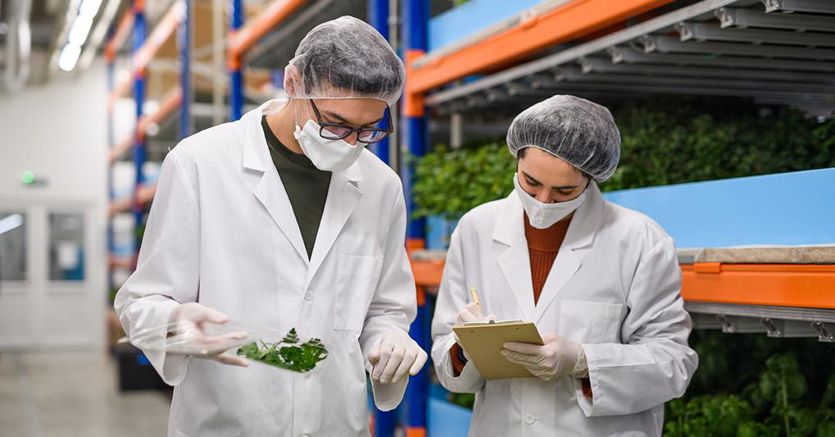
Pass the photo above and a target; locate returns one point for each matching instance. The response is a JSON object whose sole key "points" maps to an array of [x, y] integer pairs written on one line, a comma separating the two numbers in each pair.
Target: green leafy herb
{"points": [[288, 353]]}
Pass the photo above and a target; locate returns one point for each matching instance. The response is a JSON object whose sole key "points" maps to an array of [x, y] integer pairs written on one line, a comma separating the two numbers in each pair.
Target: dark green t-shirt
{"points": [[306, 186]]}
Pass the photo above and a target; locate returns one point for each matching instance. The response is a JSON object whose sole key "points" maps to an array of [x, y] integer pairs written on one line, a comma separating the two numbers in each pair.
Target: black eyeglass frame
{"points": [[351, 129]]}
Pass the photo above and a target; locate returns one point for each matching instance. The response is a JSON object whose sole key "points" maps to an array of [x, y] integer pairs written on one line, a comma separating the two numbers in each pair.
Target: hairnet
{"points": [[345, 58], [576, 130]]}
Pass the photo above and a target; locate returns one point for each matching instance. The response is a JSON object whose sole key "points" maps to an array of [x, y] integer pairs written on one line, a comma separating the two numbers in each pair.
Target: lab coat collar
{"points": [[514, 258], [256, 154], [344, 192], [580, 235], [512, 253]]}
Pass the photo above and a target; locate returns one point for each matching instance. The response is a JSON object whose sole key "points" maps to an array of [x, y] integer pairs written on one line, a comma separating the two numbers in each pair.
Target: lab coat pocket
{"points": [[356, 282], [590, 322]]}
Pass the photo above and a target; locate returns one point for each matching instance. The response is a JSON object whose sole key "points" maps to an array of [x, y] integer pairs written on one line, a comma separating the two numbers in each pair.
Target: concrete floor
{"points": [[74, 394]]}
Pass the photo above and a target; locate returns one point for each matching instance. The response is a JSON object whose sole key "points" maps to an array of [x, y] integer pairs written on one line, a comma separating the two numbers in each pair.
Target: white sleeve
{"points": [[452, 297], [655, 363], [394, 305], [168, 268]]}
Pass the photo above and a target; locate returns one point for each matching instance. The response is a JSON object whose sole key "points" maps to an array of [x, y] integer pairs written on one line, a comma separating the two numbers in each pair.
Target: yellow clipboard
{"points": [[483, 343]]}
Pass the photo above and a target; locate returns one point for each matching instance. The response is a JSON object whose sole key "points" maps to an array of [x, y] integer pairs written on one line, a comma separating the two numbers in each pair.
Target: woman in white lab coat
{"points": [[224, 241], [600, 282]]}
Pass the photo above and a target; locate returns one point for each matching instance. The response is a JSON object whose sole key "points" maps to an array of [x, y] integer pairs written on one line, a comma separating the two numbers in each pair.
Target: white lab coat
{"points": [[222, 232], [614, 288]]}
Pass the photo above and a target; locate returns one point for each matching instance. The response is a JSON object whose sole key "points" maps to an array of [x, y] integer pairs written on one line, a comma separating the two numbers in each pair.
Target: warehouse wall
{"points": [[57, 131]]}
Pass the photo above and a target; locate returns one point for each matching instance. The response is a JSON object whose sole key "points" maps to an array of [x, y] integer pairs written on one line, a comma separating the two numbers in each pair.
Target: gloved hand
{"points": [[395, 356], [558, 357], [472, 313], [189, 319], [469, 314]]}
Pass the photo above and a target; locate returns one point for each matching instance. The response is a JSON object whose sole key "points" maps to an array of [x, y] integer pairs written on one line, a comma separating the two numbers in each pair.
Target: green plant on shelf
{"points": [[451, 182], [664, 141], [466, 400], [288, 354], [776, 401]]}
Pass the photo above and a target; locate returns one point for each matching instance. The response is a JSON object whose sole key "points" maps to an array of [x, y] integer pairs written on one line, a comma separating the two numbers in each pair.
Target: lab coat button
{"points": [[308, 296], [530, 419]]}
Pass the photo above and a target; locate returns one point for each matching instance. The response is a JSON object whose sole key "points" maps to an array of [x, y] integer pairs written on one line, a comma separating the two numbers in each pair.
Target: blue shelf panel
{"points": [[446, 419], [780, 209], [468, 19]]}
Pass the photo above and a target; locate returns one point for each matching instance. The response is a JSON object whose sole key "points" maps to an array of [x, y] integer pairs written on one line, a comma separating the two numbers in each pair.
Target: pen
{"points": [[474, 296]]}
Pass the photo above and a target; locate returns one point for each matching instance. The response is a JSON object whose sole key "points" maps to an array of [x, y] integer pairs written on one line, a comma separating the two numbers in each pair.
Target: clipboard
{"points": [[483, 343]]}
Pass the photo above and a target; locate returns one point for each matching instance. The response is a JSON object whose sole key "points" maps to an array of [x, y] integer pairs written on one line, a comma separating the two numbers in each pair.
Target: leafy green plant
{"points": [[674, 141], [708, 416], [451, 182], [466, 400], [664, 141], [776, 401], [288, 353]]}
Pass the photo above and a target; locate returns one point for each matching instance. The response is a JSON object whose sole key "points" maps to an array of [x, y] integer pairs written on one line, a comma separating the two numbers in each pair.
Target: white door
{"points": [[51, 269]]}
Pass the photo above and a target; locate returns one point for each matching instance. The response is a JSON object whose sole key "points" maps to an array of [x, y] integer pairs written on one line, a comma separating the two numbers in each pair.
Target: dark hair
{"points": [[521, 154]]}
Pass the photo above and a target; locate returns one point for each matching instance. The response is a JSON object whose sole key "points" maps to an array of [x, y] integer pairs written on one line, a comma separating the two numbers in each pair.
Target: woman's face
{"points": [[547, 178]]}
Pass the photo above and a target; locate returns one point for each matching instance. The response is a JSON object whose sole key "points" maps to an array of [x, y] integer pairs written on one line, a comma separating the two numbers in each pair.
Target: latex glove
{"points": [[472, 313], [190, 319], [395, 357], [558, 357]]}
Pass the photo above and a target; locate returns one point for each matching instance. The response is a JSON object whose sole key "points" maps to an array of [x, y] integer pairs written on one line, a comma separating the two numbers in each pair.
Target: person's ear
{"points": [[292, 81]]}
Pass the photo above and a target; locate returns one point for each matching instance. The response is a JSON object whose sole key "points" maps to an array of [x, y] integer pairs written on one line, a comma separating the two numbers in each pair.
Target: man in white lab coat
{"points": [[283, 220], [600, 282]]}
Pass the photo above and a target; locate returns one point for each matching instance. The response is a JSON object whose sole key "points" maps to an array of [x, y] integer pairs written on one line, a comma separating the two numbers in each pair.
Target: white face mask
{"points": [[544, 215], [327, 155]]}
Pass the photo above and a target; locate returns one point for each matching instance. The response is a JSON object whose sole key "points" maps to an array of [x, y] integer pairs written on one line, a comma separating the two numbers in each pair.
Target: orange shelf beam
{"points": [[428, 273], [164, 29], [119, 262], [120, 90], [170, 103], [244, 39], [564, 23], [120, 36], [788, 285], [784, 285]]}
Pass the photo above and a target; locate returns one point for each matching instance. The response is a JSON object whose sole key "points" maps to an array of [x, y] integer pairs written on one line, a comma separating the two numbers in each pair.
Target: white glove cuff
{"points": [[581, 367]]}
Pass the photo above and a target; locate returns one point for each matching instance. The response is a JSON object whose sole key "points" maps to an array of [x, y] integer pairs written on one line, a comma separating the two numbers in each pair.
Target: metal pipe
{"points": [[714, 32], [18, 46], [111, 142], [218, 47], [394, 40], [631, 56], [750, 18], [603, 65], [456, 130], [789, 6], [669, 44], [185, 36], [378, 14]]}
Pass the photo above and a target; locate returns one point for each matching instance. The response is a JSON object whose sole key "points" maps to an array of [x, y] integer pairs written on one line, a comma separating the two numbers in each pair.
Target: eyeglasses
{"points": [[366, 135]]}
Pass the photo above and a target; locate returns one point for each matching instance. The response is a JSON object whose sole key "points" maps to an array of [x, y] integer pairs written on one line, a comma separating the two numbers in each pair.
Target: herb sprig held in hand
{"points": [[288, 354]]}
